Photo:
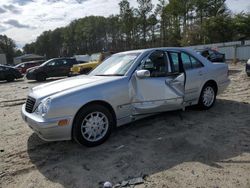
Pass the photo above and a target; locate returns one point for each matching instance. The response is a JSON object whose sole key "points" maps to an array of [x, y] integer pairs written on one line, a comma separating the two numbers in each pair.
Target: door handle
{"points": [[200, 73]]}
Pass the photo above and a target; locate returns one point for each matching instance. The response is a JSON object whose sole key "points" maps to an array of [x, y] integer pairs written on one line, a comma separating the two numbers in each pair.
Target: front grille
{"points": [[30, 102]]}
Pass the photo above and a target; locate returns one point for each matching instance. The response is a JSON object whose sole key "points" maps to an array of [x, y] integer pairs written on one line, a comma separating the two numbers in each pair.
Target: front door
{"points": [[51, 68], [161, 90], [63, 67]]}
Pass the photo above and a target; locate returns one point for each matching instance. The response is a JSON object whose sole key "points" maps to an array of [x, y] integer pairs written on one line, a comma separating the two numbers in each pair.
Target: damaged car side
{"points": [[125, 87]]}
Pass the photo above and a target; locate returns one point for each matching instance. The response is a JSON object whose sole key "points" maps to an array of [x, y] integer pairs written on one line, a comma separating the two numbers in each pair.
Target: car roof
{"points": [[159, 48], [58, 58], [35, 61]]}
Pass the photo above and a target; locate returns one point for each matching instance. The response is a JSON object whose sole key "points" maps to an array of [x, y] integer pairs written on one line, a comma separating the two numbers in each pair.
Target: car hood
{"points": [[78, 82], [90, 63]]}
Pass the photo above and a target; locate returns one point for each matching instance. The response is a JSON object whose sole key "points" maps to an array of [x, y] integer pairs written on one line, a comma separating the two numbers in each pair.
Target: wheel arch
{"points": [[99, 102], [212, 82]]}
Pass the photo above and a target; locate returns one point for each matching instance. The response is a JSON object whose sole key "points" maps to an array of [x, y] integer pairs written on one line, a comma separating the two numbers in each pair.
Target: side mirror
{"points": [[142, 73]]}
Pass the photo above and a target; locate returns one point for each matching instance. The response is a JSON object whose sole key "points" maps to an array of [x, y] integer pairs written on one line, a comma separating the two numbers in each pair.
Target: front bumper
{"points": [[47, 130]]}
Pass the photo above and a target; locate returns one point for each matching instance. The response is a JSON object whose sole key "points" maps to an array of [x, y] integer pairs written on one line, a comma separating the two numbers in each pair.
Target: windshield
{"points": [[116, 65], [45, 62]]}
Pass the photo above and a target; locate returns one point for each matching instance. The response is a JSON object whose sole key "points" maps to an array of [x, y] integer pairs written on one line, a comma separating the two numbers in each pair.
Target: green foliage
{"points": [[8, 47], [170, 23]]}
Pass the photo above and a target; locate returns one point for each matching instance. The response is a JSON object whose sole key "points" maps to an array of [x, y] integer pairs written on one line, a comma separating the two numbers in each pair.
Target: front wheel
{"points": [[207, 97], [40, 77], [93, 125]]}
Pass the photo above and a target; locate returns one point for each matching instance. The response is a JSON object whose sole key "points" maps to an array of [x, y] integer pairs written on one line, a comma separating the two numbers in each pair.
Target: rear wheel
{"points": [[93, 125], [10, 78], [207, 97], [41, 77]]}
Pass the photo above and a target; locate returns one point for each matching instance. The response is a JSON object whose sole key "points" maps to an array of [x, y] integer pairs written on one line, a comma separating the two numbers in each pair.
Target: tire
{"points": [[40, 77], [92, 134], [10, 78], [207, 96]]}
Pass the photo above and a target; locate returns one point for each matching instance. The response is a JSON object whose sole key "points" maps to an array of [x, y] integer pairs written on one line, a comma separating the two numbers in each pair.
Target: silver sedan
{"points": [[125, 87]]}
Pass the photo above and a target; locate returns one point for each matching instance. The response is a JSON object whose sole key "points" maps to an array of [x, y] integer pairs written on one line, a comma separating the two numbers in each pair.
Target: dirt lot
{"points": [[175, 149]]}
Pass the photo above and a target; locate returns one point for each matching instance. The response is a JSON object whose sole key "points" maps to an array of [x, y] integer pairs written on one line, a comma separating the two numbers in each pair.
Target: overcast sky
{"points": [[24, 20]]}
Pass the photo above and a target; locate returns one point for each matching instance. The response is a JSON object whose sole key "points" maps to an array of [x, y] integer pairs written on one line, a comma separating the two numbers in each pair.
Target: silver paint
{"points": [[130, 96]]}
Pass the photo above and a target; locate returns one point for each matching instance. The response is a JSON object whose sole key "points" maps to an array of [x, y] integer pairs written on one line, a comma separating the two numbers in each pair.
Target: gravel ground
{"points": [[173, 149]]}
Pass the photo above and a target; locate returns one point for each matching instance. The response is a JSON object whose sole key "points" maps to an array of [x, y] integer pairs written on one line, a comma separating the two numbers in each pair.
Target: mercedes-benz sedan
{"points": [[125, 87]]}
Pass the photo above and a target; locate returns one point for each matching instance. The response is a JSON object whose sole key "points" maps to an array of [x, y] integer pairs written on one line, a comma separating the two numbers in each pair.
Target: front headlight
{"points": [[43, 107]]}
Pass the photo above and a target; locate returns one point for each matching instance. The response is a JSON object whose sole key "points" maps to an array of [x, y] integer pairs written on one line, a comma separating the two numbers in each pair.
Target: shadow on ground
{"points": [[148, 146], [17, 80]]}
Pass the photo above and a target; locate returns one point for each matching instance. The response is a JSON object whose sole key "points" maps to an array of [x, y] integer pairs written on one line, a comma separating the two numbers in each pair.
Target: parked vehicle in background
{"points": [[95, 60], [125, 87], [51, 68], [212, 55], [248, 67], [9, 73], [22, 67], [82, 58]]}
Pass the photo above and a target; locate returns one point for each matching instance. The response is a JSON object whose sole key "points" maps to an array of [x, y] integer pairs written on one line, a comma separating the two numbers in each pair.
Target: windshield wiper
{"points": [[109, 75]]}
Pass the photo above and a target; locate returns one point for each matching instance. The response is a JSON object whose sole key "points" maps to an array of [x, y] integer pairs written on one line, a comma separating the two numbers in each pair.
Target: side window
{"points": [[61, 62], [65, 62], [186, 61], [195, 63], [175, 61], [156, 64], [71, 61], [190, 62], [51, 64]]}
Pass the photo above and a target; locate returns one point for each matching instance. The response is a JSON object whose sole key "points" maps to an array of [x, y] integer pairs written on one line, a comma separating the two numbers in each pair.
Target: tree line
{"points": [[8, 47], [168, 23]]}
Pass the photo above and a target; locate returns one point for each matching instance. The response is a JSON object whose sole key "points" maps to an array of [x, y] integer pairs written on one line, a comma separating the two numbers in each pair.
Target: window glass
{"points": [[186, 61], [175, 60], [116, 65], [195, 63], [62, 62], [51, 63], [71, 61], [156, 64]]}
